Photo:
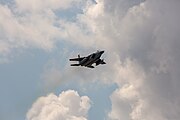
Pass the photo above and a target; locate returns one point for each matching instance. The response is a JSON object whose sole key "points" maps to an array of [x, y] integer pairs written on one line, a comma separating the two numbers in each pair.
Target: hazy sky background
{"points": [[140, 81]]}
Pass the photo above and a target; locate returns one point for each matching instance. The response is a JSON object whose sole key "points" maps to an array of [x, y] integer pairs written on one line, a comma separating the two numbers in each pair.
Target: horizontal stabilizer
{"points": [[75, 64], [76, 59]]}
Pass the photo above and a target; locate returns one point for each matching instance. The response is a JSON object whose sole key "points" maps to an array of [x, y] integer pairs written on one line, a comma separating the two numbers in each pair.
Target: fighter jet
{"points": [[89, 60]]}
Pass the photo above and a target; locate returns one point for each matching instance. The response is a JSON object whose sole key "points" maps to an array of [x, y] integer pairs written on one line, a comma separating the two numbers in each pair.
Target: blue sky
{"points": [[139, 82], [21, 86]]}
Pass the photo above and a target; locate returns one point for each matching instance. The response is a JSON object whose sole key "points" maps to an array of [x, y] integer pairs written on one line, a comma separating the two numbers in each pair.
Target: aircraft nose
{"points": [[101, 52]]}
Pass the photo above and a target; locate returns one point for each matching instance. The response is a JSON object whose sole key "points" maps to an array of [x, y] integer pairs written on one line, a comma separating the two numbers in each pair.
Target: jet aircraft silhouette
{"points": [[89, 60]]}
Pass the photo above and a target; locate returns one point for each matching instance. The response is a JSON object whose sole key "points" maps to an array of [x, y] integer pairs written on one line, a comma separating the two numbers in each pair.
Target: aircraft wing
{"points": [[76, 59], [90, 66]]}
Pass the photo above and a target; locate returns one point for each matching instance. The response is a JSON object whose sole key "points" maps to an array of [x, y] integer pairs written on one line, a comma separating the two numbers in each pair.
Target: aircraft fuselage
{"points": [[92, 59], [89, 60]]}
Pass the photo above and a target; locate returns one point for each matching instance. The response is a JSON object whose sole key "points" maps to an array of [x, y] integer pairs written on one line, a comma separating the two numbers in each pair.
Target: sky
{"points": [[140, 81]]}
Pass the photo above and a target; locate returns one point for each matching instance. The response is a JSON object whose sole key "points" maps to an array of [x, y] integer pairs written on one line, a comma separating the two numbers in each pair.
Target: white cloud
{"points": [[41, 5], [67, 106], [142, 43], [32, 24], [22, 32], [123, 99]]}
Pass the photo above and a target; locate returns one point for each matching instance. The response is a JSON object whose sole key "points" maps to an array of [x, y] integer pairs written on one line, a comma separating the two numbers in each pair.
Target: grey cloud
{"points": [[146, 33], [142, 40]]}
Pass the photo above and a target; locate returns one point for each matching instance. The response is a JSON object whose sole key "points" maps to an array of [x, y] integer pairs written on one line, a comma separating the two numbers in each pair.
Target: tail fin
{"points": [[79, 58], [75, 64]]}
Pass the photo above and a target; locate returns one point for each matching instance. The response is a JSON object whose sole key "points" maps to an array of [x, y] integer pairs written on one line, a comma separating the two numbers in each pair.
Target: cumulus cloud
{"points": [[141, 38], [40, 5], [147, 35], [32, 24], [67, 106], [144, 35]]}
